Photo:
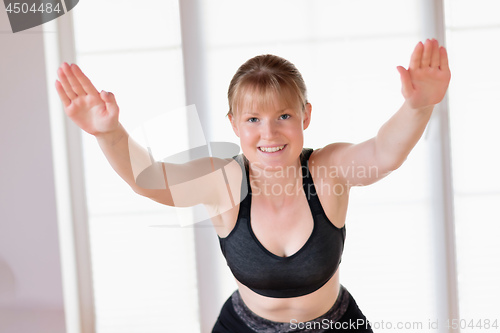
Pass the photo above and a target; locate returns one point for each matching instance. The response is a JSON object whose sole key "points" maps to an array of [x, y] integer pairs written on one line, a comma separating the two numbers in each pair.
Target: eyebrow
{"points": [[253, 113]]}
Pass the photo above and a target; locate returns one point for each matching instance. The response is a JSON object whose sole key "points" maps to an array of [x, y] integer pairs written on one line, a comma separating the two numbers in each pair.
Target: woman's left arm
{"points": [[424, 84]]}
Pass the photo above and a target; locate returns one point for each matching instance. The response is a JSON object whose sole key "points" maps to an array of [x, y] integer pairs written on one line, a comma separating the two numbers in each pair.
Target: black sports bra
{"points": [[270, 275]]}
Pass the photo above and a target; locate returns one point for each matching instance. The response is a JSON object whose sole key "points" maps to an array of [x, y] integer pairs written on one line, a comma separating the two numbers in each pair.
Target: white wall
{"points": [[31, 297]]}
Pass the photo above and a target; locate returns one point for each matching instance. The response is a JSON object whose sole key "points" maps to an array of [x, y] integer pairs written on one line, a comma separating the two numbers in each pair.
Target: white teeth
{"points": [[271, 149]]}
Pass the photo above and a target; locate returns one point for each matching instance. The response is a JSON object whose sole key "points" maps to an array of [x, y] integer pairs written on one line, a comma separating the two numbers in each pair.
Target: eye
{"points": [[285, 116], [252, 120]]}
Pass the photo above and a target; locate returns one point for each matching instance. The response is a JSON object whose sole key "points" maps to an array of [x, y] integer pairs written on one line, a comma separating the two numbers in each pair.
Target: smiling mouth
{"points": [[271, 149]]}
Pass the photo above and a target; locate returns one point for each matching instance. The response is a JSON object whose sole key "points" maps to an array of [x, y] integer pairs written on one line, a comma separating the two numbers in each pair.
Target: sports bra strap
{"points": [[245, 193], [308, 184]]}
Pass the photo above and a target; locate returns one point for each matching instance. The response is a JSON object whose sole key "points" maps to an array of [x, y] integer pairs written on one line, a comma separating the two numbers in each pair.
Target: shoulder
{"points": [[329, 155], [329, 181]]}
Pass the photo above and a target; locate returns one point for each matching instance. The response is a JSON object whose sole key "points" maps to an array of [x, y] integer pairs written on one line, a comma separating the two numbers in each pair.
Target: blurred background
{"points": [[81, 252]]}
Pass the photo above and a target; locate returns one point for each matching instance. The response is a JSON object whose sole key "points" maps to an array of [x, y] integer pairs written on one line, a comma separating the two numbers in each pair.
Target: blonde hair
{"points": [[263, 78]]}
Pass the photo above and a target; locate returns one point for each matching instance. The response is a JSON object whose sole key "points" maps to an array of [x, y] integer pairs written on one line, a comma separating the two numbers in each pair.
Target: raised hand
{"points": [[95, 113], [426, 80]]}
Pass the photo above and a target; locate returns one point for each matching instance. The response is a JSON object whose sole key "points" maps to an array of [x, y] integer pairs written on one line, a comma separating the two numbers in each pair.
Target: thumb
{"points": [[406, 85], [109, 99]]}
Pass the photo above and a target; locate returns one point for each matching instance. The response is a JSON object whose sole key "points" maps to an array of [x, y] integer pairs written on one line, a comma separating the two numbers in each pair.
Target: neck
{"points": [[277, 185]]}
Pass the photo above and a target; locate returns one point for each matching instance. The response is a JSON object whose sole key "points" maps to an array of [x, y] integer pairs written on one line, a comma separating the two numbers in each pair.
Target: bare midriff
{"points": [[302, 308]]}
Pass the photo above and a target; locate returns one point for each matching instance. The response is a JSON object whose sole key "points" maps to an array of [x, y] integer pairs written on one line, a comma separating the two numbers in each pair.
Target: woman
{"points": [[283, 240]]}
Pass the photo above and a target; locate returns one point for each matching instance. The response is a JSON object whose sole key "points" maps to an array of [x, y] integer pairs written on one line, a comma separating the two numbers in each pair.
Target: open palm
{"points": [[94, 112], [427, 78]]}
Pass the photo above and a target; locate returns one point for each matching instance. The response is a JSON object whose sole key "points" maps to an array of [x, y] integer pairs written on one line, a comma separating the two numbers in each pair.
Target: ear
{"points": [[233, 124], [307, 116]]}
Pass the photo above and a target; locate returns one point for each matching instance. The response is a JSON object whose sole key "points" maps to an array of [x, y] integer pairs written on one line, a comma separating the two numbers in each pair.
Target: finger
{"points": [[406, 85], [85, 82], [109, 99], [416, 56], [65, 84], [435, 54], [426, 56], [443, 59], [62, 94], [73, 81]]}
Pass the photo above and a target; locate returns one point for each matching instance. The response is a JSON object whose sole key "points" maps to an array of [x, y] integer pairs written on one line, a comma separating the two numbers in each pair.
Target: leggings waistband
{"points": [[262, 325]]}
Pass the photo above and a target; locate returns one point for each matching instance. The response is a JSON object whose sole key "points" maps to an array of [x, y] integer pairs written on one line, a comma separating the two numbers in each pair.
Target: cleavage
{"points": [[285, 231]]}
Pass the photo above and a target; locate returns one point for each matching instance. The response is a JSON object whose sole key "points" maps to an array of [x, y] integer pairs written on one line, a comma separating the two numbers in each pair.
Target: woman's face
{"points": [[271, 136]]}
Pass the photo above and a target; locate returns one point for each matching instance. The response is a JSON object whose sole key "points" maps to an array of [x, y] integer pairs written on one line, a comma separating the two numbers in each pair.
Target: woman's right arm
{"points": [[129, 159], [97, 114]]}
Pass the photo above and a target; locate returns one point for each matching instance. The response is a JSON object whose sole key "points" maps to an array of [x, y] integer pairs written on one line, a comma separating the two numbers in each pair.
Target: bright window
{"points": [[143, 264], [473, 32]]}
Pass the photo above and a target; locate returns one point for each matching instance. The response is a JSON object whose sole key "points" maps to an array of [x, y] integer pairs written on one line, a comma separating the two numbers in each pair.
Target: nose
{"points": [[268, 130]]}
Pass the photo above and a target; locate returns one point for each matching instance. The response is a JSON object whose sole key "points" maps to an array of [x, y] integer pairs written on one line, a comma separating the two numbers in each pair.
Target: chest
{"points": [[281, 230]]}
